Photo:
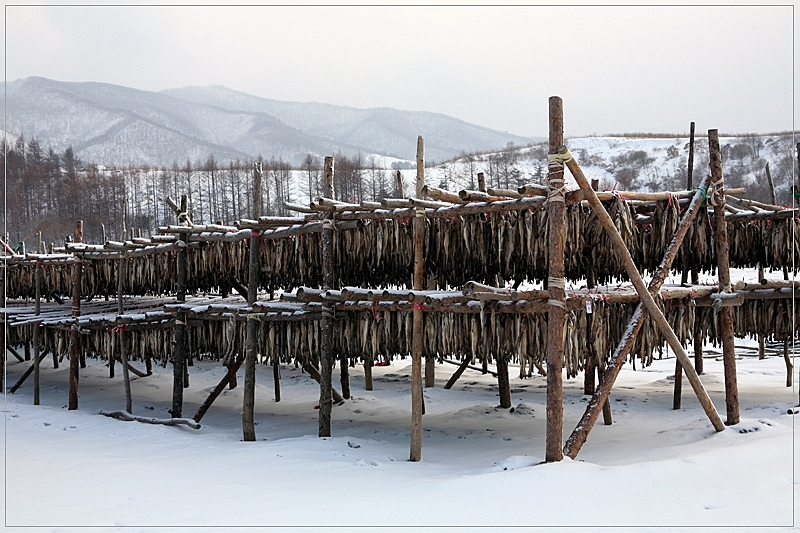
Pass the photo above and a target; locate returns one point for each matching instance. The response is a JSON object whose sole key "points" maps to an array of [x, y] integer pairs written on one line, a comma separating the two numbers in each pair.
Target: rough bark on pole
{"points": [[416, 341], [788, 361], [74, 334], [503, 383], [771, 185], [326, 322], [179, 353], [689, 171], [276, 377], [555, 284], [368, 364], [676, 394], [126, 377], [123, 357], [36, 351], [723, 272], [481, 182], [581, 431], [229, 375], [251, 329], [644, 293]]}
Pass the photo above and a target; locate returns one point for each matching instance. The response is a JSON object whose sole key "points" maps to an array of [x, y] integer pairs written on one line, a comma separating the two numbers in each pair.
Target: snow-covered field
{"points": [[652, 467]]}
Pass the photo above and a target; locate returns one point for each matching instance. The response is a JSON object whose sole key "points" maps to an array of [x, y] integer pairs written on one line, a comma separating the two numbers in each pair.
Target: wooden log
{"points": [[415, 453], [230, 375], [723, 272], [466, 365], [127, 417], [532, 190], [555, 286], [398, 190], [37, 359], [503, 383], [477, 196], [344, 375], [368, 364], [689, 172], [22, 379], [126, 378], [314, 373], [753, 203], [251, 328], [457, 374], [16, 354], [763, 215], [417, 202], [507, 193], [394, 203], [441, 195], [179, 351], [74, 338], [788, 361], [276, 378], [581, 431], [326, 323], [481, 182], [676, 394]]}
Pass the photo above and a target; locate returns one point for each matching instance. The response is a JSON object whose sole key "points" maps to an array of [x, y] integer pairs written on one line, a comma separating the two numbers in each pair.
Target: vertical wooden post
{"points": [[74, 334], [416, 341], [481, 182], [123, 356], [37, 310], [689, 171], [555, 285], [179, 353], [503, 383], [326, 322], [344, 375], [761, 344], [723, 272], [698, 356], [399, 179], [251, 331], [276, 377], [771, 185], [676, 394], [368, 364]]}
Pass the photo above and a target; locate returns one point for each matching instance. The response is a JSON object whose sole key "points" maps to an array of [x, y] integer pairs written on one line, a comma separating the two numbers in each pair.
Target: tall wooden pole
{"points": [[430, 360], [698, 344], [179, 354], [123, 356], [555, 284], [326, 322], [416, 341], [771, 185], [581, 431], [74, 334], [723, 272], [251, 331], [38, 309]]}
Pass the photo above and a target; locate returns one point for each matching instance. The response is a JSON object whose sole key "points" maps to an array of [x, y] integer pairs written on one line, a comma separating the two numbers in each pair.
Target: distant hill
{"points": [[113, 125]]}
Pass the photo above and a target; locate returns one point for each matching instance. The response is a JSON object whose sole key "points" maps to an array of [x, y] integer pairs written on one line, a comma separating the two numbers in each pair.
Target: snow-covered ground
{"points": [[652, 467]]}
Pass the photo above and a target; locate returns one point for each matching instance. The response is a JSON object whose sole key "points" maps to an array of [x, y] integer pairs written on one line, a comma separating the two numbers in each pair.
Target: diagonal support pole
{"points": [[647, 305]]}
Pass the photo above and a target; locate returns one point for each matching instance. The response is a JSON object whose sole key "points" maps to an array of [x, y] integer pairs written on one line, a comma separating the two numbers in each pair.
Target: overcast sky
{"points": [[618, 68]]}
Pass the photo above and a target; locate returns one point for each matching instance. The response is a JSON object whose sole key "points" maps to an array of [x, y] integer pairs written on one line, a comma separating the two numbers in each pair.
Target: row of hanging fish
{"points": [[488, 248], [387, 335]]}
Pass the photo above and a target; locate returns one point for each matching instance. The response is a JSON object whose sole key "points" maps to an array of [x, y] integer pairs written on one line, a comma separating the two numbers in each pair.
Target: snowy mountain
{"points": [[114, 125]]}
